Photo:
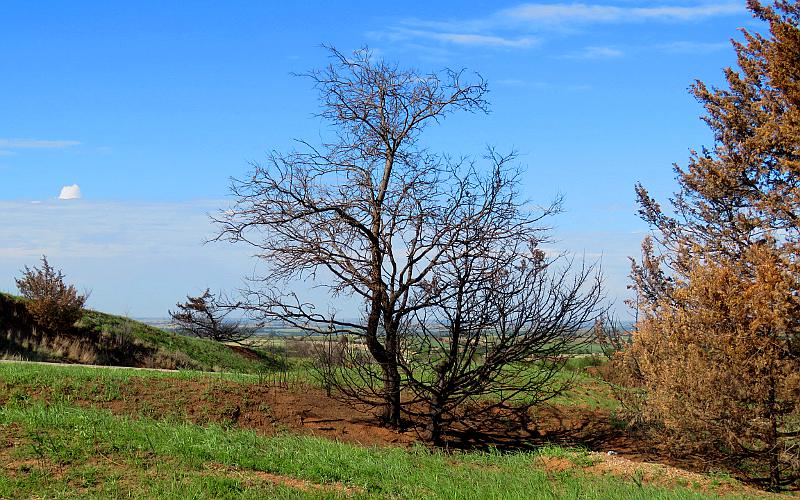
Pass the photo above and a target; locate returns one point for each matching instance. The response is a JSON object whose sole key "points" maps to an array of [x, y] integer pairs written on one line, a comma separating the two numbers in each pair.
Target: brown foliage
{"points": [[715, 359], [719, 364], [54, 305]]}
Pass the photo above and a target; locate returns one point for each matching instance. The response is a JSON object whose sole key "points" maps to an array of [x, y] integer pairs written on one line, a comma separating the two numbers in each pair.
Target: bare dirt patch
{"points": [[245, 352], [251, 476], [556, 464], [668, 476], [267, 410]]}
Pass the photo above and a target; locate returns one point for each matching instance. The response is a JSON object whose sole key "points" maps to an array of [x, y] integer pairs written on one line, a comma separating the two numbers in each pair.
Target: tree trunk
{"points": [[391, 385], [391, 371], [434, 427], [774, 448]]}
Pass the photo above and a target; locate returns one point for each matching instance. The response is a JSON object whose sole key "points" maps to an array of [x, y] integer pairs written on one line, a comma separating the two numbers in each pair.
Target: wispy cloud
{"points": [[7, 146], [468, 39], [35, 144], [485, 40], [687, 47], [595, 52], [525, 25], [570, 13]]}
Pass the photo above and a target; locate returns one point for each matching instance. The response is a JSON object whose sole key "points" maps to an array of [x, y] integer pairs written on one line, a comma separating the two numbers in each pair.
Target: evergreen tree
{"points": [[717, 350]]}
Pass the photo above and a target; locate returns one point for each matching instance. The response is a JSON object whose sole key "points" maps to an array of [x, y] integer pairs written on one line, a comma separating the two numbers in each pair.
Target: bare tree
{"points": [[503, 325], [205, 316], [372, 214], [491, 323]]}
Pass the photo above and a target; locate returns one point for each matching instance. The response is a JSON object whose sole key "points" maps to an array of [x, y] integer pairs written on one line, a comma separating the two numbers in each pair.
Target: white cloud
{"points": [[7, 145], [677, 48], [524, 25], [35, 144], [471, 39], [564, 13], [685, 47], [595, 52], [494, 41], [72, 192]]}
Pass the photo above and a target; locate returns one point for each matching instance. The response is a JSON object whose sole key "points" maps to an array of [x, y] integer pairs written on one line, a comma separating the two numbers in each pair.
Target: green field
{"points": [[102, 338], [90, 431], [58, 444]]}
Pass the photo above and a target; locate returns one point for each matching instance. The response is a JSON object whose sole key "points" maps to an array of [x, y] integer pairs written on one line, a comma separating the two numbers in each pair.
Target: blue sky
{"points": [[141, 111]]}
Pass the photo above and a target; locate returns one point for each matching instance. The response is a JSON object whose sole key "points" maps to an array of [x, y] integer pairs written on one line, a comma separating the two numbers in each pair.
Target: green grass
{"points": [[32, 376], [85, 452], [79, 451], [581, 363], [199, 353], [573, 385], [209, 355]]}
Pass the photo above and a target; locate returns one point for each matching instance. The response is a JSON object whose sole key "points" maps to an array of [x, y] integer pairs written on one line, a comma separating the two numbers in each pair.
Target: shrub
{"points": [[53, 305]]}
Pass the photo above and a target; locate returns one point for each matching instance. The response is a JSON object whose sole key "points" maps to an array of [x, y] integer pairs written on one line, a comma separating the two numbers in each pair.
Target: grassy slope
{"points": [[58, 449], [204, 354], [208, 355], [74, 451]]}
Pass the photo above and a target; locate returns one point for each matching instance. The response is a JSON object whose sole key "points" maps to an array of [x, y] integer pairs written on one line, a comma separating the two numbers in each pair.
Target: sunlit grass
{"points": [[107, 455]]}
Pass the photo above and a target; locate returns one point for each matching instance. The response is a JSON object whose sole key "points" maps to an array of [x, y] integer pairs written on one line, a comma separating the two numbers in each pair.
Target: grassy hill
{"points": [[101, 433], [106, 339]]}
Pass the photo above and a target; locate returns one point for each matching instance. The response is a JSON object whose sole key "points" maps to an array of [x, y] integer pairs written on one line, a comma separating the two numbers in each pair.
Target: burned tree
{"points": [[492, 322], [371, 213], [717, 349], [503, 319], [360, 207], [205, 316]]}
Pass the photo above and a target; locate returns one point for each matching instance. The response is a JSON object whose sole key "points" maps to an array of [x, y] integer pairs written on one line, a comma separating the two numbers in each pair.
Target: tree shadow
{"points": [[511, 430], [594, 430]]}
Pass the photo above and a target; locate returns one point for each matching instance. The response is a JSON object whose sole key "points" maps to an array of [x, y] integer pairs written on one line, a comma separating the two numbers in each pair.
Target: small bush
{"points": [[53, 305]]}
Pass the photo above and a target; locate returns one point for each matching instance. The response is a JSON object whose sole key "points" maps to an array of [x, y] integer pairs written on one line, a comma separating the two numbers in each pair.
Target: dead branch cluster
{"points": [[206, 316]]}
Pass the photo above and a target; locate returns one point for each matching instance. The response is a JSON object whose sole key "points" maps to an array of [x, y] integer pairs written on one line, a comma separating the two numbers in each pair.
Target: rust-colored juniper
{"points": [[54, 305], [716, 353]]}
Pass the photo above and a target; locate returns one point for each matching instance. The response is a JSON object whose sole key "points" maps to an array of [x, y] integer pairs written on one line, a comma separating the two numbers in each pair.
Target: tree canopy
{"points": [[381, 219], [717, 348]]}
